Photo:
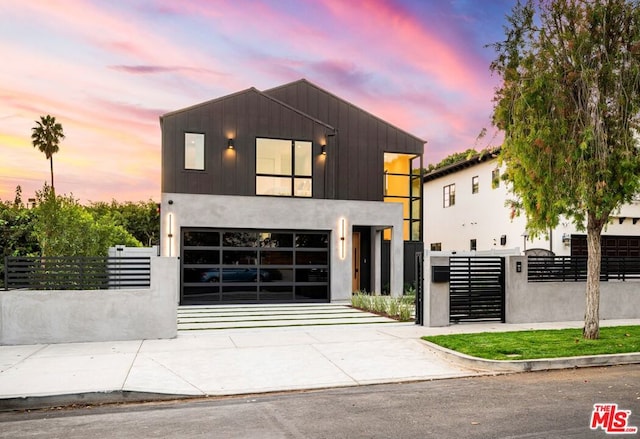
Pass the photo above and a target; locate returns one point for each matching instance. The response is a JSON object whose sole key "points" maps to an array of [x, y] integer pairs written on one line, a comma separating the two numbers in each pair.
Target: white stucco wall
{"points": [[51, 316], [220, 211], [483, 216], [530, 302]]}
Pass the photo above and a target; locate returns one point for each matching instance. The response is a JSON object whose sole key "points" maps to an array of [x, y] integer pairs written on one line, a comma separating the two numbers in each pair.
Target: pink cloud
{"points": [[391, 30]]}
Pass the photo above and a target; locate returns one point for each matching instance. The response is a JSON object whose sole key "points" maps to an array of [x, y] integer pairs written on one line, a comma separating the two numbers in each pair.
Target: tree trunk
{"points": [[52, 187], [591, 328]]}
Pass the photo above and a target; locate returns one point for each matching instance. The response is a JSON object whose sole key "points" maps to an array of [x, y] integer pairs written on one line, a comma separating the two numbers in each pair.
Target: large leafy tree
{"points": [[569, 106], [46, 136], [141, 219], [63, 227]]}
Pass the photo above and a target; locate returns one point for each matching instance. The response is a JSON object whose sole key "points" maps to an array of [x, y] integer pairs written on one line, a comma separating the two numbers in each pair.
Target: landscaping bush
{"points": [[399, 308]]}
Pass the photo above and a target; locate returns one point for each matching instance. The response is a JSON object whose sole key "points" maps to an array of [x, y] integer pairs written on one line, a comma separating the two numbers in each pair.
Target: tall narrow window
{"points": [[194, 151], [449, 195], [403, 184], [283, 168], [475, 185], [495, 178], [473, 245]]}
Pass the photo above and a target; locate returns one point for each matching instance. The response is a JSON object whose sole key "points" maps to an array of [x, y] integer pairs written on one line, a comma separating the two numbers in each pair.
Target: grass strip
{"points": [[529, 345]]}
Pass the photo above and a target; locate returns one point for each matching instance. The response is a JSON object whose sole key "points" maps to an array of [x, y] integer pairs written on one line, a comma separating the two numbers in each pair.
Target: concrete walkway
{"points": [[233, 362]]}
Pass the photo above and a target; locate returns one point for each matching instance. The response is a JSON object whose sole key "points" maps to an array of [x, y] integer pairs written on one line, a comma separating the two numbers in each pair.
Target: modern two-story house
{"points": [[288, 195], [466, 210]]}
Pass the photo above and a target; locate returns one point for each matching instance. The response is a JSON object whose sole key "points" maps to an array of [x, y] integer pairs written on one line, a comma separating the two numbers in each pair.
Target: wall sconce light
{"points": [[323, 149], [343, 233], [566, 239], [230, 144], [170, 234]]}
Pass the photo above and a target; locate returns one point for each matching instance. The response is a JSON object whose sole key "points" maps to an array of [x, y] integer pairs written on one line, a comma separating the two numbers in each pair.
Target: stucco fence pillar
{"points": [[61, 316], [436, 294]]}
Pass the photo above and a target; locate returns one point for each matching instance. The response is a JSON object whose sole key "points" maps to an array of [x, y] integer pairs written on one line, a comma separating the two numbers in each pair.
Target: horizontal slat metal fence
{"points": [[77, 273], [574, 268], [476, 289]]}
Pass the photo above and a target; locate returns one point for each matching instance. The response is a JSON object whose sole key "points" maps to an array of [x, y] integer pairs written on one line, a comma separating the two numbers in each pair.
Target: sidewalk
{"points": [[234, 362]]}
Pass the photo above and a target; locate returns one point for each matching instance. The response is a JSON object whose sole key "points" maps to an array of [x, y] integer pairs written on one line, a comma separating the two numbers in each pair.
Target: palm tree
{"points": [[46, 136]]}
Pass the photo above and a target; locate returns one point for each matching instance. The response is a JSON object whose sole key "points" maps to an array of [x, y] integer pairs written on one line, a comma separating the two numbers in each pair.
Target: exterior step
{"points": [[210, 317]]}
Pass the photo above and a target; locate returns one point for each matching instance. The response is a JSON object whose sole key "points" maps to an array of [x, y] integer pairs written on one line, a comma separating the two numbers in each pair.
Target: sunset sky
{"points": [[108, 69]]}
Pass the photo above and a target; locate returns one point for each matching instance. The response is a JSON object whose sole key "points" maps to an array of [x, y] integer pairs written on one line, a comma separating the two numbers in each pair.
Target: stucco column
{"points": [[435, 299], [396, 262]]}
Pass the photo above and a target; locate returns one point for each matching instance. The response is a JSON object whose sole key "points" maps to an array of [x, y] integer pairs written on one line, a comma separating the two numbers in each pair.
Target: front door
{"points": [[356, 262]]}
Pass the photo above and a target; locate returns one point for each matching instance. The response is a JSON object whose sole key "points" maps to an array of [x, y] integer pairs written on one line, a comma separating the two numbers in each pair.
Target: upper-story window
{"points": [[283, 168], [449, 195], [495, 178], [403, 184], [475, 185], [194, 151]]}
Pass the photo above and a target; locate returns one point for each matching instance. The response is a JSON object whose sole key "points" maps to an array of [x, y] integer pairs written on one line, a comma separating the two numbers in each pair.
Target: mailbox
{"points": [[440, 274]]}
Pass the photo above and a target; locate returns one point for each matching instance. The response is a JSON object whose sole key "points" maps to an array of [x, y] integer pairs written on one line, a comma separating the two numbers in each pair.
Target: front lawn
{"points": [[528, 345]]}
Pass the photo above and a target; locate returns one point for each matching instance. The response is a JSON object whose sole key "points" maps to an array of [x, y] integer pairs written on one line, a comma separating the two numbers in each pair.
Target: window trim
{"points": [[449, 196], [411, 220], [293, 177], [475, 184], [204, 152]]}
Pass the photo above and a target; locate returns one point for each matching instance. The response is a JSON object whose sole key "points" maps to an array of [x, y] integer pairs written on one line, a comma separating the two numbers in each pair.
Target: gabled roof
{"points": [[304, 82], [476, 159], [211, 101], [249, 90]]}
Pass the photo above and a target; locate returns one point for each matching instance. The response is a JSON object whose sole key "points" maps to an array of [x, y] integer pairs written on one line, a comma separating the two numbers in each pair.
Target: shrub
{"points": [[398, 308]]}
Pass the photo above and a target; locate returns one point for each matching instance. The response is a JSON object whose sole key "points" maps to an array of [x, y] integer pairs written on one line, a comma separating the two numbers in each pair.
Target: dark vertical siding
{"points": [[361, 141], [351, 170], [243, 116]]}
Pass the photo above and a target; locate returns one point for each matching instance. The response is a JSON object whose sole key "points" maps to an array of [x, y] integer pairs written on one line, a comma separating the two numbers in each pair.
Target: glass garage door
{"points": [[236, 266]]}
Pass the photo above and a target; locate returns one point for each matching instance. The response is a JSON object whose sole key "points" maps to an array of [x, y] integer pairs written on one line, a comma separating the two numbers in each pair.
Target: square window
{"points": [[302, 187], [194, 151], [284, 168], [273, 156]]}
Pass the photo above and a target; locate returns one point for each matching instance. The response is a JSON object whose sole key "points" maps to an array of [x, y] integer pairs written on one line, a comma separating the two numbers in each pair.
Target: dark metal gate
{"points": [[419, 267], [476, 289]]}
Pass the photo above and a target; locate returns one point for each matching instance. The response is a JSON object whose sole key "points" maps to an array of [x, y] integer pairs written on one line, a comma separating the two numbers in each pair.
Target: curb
{"points": [[506, 366], [87, 399]]}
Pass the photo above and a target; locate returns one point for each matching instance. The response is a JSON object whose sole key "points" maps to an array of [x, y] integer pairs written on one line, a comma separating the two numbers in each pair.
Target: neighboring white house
{"points": [[465, 210]]}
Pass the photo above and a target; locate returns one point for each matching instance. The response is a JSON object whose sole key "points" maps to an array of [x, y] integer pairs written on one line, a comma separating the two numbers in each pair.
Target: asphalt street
{"points": [[553, 404]]}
